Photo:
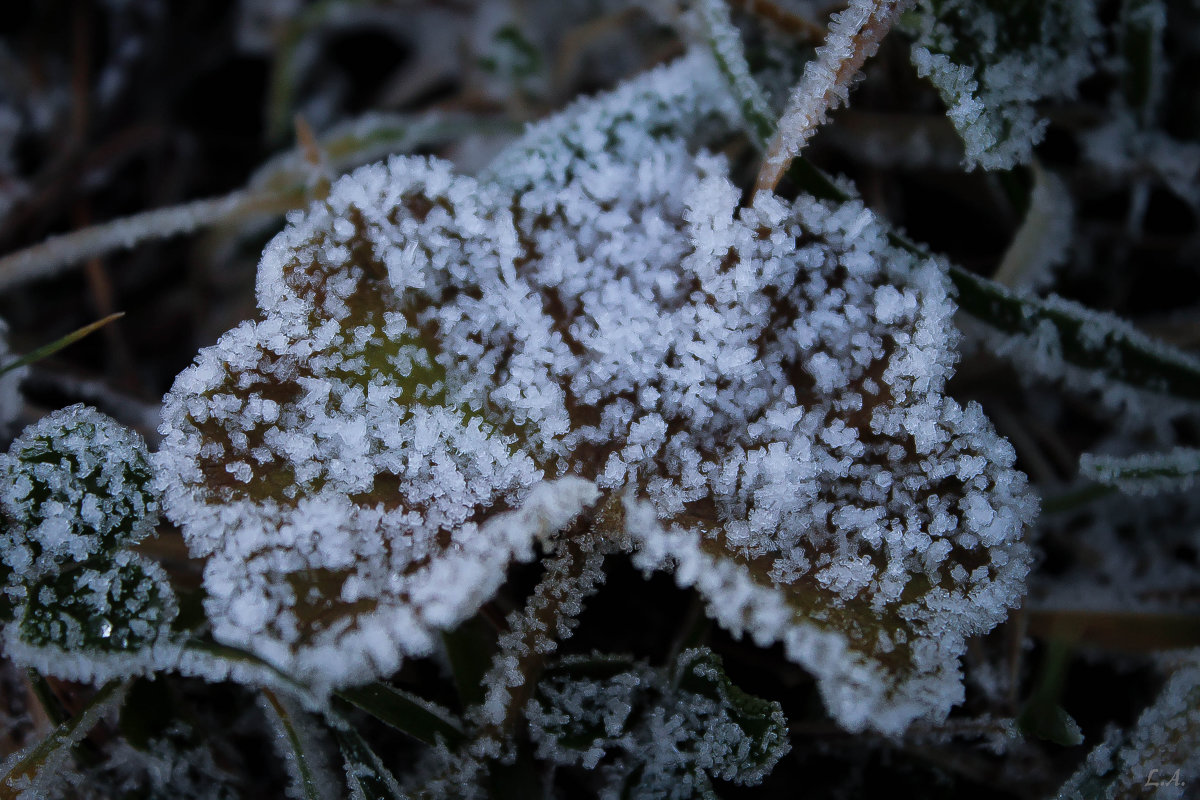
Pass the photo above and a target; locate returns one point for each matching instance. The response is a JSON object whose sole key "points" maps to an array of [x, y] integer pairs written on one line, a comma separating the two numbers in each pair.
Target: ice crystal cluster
{"points": [[992, 67], [656, 735], [74, 496], [445, 369]]}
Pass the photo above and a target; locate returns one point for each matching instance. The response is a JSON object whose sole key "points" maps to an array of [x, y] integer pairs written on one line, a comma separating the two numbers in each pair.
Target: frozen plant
{"points": [[465, 398]]}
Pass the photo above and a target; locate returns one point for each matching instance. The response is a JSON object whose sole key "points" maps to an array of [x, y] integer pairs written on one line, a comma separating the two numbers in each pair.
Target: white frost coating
{"points": [[110, 622], [597, 309], [10, 383], [1039, 352], [40, 781], [655, 725], [1159, 757], [829, 458], [72, 485], [1144, 473], [853, 37], [991, 98], [332, 459], [677, 99]]}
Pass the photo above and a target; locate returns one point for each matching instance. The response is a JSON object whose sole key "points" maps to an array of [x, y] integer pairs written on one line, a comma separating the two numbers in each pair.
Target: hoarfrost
{"points": [[764, 385], [333, 460], [655, 734], [1144, 473], [992, 61], [1159, 756], [73, 485]]}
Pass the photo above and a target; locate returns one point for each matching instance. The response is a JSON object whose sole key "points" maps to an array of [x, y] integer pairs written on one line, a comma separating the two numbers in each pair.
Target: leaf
{"points": [[336, 461], [293, 747], [366, 776], [1042, 715], [26, 769], [1145, 473], [1053, 334], [870, 524], [724, 41], [1065, 334], [109, 617], [74, 485], [469, 649], [760, 723], [424, 721], [1050, 722], [105, 606], [1159, 756]]}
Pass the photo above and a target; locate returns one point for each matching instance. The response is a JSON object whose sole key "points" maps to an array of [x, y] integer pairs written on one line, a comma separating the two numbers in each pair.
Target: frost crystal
{"points": [[74, 491], [110, 618], [333, 460], [991, 60], [1144, 473], [73, 485], [1159, 756], [655, 735]]}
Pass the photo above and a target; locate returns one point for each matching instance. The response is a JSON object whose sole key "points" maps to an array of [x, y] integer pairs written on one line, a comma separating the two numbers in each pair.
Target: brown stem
{"points": [[854, 36]]}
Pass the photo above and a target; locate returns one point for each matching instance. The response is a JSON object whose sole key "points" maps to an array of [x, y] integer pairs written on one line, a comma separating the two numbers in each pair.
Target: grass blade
{"points": [[366, 776], [405, 712], [22, 768], [1144, 473], [301, 768], [58, 344]]}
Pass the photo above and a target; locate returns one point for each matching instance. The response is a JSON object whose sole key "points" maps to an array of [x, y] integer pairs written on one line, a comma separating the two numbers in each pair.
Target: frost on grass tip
{"points": [[445, 368], [991, 60]]}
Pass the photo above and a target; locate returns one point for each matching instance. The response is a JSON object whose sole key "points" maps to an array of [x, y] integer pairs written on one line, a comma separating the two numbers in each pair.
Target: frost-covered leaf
{"points": [[310, 777], [992, 60], [26, 773], [108, 617], [73, 485], [1159, 757], [656, 734], [757, 726], [849, 509], [334, 459], [684, 99], [598, 310], [1054, 338]]}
